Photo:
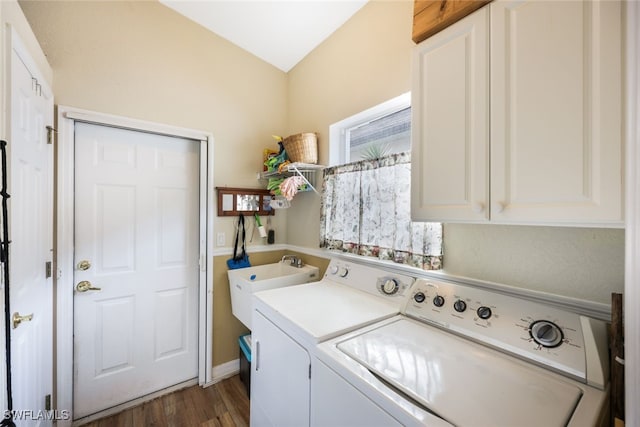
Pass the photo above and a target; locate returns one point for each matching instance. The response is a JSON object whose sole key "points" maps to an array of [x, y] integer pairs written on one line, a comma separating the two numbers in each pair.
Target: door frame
{"points": [[64, 242], [632, 205]]}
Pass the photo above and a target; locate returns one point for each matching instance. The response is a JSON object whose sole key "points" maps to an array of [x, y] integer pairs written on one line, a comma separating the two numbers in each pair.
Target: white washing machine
{"points": [[288, 324], [466, 357]]}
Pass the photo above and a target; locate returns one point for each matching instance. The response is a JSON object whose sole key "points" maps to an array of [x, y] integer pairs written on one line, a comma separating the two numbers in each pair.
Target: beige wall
{"points": [[142, 60], [368, 61], [365, 62]]}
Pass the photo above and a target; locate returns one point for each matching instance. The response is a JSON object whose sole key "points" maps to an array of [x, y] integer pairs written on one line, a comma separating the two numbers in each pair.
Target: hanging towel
{"points": [[290, 186]]}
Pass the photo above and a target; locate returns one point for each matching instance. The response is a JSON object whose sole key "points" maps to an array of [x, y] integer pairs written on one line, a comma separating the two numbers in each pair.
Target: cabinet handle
{"points": [[257, 355], [498, 207], [477, 207]]}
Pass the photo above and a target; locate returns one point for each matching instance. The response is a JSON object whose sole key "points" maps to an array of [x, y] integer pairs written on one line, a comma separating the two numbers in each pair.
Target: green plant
{"points": [[375, 151]]}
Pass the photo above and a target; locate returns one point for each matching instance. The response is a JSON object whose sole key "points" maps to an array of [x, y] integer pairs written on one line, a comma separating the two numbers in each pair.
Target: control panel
{"points": [[369, 279], [543, 334]]}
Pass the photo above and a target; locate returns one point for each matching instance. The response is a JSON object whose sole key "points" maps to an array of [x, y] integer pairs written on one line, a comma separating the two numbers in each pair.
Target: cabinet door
{"points": [[280, 384], [450, 103], [556, 119]]}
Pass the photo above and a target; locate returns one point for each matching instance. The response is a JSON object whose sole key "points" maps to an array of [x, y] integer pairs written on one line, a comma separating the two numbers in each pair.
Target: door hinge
{"points": [[51, 134], [47, 269], [47, 402]]}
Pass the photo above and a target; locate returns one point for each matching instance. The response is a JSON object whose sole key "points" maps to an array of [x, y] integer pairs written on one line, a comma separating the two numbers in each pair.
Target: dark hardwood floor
{"points": [[222, 404]]}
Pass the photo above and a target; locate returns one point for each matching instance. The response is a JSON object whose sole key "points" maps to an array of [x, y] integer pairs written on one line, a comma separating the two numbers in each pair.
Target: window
{"points": [[378, 131], [366, 192]]}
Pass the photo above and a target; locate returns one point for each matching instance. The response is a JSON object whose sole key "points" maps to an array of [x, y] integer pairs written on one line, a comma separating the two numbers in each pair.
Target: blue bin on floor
{"points": [[244, 355]]}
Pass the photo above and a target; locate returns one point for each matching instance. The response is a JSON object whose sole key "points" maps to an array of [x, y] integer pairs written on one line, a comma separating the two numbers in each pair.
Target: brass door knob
{"points": [[16, 319], [85, 286]]}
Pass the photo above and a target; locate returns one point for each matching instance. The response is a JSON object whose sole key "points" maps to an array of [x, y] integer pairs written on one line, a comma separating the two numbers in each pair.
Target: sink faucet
{"points": [[294, 260]]}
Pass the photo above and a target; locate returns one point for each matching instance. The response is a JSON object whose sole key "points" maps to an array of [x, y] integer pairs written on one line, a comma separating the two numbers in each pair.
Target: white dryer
{"points": [[288, 324]]}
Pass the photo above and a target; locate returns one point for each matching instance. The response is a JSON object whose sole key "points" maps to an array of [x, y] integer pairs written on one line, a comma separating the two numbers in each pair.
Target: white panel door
{"points": [[31, 235], [450, 123], [137, 244], [556, 120]]}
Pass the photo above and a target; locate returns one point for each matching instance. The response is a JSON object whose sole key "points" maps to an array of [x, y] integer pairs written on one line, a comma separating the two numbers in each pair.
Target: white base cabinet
{"points": [[518, 116], [280, 377]]}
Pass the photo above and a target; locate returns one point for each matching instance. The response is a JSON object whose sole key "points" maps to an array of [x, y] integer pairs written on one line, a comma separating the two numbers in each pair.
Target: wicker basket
{"points": [[302, 147]]}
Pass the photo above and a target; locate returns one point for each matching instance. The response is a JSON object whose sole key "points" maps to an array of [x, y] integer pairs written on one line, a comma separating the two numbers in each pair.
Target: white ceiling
{"points": [[280, 32]]}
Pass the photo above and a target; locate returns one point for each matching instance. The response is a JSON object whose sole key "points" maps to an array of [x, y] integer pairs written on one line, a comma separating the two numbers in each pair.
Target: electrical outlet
{"points": [[220, 239]]}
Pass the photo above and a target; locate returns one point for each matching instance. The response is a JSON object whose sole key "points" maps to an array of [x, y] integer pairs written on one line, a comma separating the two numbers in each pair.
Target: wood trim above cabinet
{"points": [[431, 16]]}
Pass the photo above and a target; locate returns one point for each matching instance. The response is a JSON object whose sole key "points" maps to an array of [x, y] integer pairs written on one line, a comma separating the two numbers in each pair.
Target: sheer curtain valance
{"points": [[366, 211]]}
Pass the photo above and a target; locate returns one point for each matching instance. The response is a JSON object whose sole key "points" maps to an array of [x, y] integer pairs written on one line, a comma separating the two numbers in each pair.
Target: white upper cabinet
{"points": [[450, 123], [549, 139], [556, 112]]}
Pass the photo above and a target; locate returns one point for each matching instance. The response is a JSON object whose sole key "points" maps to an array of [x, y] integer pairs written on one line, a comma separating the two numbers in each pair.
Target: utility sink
{"points": [[243, 282]]}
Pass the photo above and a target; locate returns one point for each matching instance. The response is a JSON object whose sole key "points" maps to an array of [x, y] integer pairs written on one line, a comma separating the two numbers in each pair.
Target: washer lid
{"points": [[463, 382]]}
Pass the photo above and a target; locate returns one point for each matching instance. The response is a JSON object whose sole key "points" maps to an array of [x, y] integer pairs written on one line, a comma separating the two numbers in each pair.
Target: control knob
{"points": [[546, 333], [419, 297], [484, 312], [459, 306], [334, 269], [438, 300], [344, 271], [390, 286]]}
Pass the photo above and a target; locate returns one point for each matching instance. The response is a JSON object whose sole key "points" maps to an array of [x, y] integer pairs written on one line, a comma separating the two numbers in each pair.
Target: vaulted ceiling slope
{"points": [[280, 32]]}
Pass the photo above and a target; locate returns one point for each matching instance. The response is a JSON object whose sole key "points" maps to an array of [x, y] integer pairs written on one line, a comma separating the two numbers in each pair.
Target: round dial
{"points": [[390, 286], [334, 269], [484, 312], [419, 297], [459, 306], [344, 271], [438, 300], [546, 333]]}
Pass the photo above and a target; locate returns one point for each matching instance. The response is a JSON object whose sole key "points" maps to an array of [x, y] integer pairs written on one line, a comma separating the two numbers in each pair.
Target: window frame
{"points": [[338, 149]]}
